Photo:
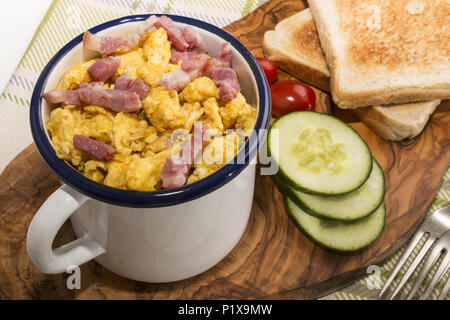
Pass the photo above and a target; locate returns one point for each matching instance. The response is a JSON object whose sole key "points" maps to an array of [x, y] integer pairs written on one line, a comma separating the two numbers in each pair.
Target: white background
{"points": [[18, 22]]}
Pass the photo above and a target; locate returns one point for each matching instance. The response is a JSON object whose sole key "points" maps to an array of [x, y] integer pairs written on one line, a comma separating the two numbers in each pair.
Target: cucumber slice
{"points": [[318, 153], [338, 235], [350, 206]]}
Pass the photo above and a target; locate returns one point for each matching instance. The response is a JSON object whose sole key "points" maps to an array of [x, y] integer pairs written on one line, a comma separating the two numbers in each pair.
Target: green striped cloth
{"points": [[68, 18]]}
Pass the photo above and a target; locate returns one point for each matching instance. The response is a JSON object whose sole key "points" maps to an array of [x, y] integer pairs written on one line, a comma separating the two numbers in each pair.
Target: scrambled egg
{"points": [[143, 140], [129, 133], [63, 126], [156, 50], [238, 114], [163, 109], [95, 170], [130, 62], [212, 116], [97, 124], [72, 79], [199, 89], [151, 72], [143, 173], [218, 152], [157, 47]]}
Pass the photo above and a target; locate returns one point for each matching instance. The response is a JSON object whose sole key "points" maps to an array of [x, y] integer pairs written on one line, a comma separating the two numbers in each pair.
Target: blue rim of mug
{"points": [[162, 198]]}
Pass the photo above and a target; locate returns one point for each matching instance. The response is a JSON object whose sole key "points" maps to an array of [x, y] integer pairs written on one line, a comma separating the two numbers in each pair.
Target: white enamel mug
{"points": [[160, 236]]}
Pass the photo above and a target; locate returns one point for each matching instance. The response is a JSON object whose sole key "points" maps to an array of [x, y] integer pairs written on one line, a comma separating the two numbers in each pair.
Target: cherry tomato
{"points": [[270, 69], [290, 95]]}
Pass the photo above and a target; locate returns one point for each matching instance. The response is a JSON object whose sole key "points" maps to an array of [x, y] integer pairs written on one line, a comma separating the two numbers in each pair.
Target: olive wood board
{"points": [[273, 259]]}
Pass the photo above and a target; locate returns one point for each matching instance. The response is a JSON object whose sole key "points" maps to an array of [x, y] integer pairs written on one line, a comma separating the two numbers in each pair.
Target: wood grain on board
{"points": [[273, 259]]}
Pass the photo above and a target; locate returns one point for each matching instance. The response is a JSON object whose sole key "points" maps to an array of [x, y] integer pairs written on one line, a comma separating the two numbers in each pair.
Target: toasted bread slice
{"points": [[397, 122], [294, 46], [305, 60], [385, 52]]}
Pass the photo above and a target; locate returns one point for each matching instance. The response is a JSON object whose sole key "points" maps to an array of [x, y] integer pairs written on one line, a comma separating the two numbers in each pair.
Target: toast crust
{"points": [[397, 122], [295, 48], [384, 52]]}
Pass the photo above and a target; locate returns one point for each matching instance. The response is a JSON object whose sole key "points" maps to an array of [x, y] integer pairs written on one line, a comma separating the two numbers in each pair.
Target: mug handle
{"points": [[46, 224]]}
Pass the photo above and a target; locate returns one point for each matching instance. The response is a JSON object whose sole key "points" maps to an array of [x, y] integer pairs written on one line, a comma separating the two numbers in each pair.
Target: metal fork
{"points": [[437, 227]]}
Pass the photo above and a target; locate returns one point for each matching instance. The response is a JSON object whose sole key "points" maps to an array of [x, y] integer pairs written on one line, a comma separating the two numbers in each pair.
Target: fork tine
{"points": [[444, 292], [426, 268], [440, 272], [423, 251], [406, 253], [441, 245]]}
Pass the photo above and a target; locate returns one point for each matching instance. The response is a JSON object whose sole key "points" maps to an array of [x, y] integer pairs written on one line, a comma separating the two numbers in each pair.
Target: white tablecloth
{"points": [[19, 20]]}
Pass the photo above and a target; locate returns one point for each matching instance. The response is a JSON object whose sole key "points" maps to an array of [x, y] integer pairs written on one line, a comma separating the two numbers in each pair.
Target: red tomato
{"points": [[290, 95], [270, 69]]}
